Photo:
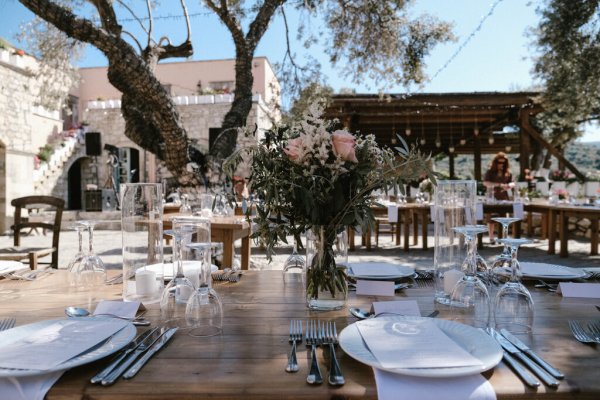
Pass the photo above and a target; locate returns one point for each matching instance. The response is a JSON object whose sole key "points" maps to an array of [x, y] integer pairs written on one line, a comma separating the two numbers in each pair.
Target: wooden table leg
{"points": [[551, 231], [406, 229], [227, 249], [563, 233], [351, 234], [424, 227], [245, 252], [415, 220], [594, 237], [529, 224]]}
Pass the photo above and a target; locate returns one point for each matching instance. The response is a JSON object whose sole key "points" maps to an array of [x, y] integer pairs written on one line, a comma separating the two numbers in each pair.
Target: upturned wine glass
{"points": [[75, 263], [204, 309], [177, 292], [294, 265], [513, 305], [91, 270], [470, 299], [503, 261]]}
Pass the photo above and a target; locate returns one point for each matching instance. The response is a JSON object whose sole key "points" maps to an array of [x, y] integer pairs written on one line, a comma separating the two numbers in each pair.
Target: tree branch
{"points": [[261, 22], [108, 18]]}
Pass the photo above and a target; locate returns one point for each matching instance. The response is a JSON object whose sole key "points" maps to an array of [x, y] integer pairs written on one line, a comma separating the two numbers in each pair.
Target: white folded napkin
{"points": [[28, 387], [7, 266], [392, 386], [412, 343]]}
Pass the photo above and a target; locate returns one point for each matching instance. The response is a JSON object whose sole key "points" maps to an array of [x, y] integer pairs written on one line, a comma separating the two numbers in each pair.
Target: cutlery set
{"points": [[318, 333], [517, 355], [227, 275], [26, 274], [134, 356]]}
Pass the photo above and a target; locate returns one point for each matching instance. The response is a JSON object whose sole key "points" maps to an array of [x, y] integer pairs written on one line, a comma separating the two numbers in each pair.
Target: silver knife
{"points": [[541, 373], [145, 345], [130, 373], [518, 369], [124, 353], [525, 349]]}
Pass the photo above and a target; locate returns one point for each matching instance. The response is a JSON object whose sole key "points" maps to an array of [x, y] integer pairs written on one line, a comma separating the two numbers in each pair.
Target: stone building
{"points": [[86, 165]]}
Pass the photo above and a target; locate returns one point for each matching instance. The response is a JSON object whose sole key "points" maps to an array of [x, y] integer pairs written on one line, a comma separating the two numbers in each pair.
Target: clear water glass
{"points": [[75, 263], [470, 299], [204, 309], [513, 305]]}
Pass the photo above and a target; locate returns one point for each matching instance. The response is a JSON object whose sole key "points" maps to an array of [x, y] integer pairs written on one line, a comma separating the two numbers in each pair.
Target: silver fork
{"points": [[295, 336], [7, 323], [594, 327], [313, 339], [580, 333], [330, 337]]}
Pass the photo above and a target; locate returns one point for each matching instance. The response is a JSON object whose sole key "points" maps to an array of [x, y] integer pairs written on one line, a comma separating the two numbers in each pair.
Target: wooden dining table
{"points": [[225, 230], [248, 360]]}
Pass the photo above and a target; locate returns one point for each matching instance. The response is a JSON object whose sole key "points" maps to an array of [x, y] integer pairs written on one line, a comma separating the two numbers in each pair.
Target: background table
{"points": [[248, 360]]}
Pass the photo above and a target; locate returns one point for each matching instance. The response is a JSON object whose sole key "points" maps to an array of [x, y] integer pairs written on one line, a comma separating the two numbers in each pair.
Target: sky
{"points": [[493, 52]]}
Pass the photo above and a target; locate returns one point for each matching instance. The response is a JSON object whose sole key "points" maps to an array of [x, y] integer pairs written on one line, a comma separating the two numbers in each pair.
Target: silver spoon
{"points": [[76, 312], [362, 314]]}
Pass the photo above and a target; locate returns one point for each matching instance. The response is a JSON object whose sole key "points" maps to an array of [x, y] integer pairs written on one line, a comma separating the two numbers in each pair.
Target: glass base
{"points": [[513, 326], [322, 304]]}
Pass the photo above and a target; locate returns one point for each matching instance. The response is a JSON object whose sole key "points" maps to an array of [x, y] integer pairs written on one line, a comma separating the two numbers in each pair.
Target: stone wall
{"points": [[24, 128], [198, 115]]}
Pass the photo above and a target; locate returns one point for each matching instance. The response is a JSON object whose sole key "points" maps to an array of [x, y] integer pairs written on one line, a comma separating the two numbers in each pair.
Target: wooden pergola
{"points": [[450, 123]]}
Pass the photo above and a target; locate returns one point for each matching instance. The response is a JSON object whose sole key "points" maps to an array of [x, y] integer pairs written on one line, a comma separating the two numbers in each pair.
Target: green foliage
{"points": [[45, 153]]}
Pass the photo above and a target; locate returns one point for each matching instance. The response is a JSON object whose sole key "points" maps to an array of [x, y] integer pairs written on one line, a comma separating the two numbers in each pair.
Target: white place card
{"points": [[122, 309], [375, 288], [401, 307], [585, 290]]}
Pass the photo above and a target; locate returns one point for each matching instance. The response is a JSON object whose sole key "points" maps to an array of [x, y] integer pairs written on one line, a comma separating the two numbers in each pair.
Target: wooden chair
{"points": [[389, 224], [31, 254]]}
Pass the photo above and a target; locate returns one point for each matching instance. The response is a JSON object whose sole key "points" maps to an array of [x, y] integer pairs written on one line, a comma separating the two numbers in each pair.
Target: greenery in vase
{"points": [[311, 174]]}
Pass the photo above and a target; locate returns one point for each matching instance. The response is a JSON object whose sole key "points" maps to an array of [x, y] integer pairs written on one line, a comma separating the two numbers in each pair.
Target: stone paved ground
{"points": [[107, 244]]}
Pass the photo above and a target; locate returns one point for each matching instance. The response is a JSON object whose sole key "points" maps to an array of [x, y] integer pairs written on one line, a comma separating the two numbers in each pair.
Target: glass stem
{"points": [[514, 264], [91, 239], [178, 255], [471, 255], [80, 236]]}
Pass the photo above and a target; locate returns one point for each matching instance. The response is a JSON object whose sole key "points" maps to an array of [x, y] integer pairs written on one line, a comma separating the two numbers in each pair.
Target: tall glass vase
{"points": [[326, 255], [141, 224]]}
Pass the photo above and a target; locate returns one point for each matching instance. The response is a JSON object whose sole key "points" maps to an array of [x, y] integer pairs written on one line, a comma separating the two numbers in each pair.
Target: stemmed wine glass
{"points": [[204, 309], [470, 299], [177, 292], [185, 207], [293, 265], [91, 270], [513, 306], [75, 263], [503, 261]]}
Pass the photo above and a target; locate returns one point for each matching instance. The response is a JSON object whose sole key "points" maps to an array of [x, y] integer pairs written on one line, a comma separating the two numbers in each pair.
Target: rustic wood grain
{"points": [[248, 360]]}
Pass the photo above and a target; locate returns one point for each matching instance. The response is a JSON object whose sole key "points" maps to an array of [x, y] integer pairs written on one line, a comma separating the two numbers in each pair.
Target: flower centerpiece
{"points": [[313, 177], [558, 175]]}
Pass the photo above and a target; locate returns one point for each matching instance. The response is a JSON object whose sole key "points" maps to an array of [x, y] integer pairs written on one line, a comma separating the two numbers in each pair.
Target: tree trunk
{"points": [[151, 118]]}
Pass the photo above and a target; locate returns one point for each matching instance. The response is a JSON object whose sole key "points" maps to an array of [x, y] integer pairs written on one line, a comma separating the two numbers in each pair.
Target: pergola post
{"points": [[477, 158]]}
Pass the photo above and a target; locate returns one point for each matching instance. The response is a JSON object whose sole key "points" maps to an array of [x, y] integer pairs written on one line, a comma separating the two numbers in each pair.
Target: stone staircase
{"points": [[51, 176]]}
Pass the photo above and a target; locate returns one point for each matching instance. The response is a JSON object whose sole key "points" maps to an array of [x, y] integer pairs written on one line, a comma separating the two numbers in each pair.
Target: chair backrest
{"points": [[45, 203]]}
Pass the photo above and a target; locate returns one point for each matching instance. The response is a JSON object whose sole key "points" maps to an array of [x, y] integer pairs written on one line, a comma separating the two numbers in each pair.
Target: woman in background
{"points": [[498, 179]]}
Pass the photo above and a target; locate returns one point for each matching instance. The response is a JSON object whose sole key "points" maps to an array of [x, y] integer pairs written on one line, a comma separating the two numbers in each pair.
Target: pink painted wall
{"points": [[183, 78]]}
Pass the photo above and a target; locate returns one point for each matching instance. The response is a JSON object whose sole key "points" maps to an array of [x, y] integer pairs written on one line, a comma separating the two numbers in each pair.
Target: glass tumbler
{"points": [[142, 230]]}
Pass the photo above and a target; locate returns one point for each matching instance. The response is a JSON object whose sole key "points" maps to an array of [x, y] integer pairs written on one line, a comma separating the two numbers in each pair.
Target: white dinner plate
{"points": [[532, 270], [398, 271], [113, 344], [168, 268], [476, 342]]}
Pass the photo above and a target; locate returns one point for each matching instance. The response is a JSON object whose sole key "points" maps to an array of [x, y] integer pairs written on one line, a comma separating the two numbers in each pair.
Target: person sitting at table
{"points": [[240, 189], [499, 180]]}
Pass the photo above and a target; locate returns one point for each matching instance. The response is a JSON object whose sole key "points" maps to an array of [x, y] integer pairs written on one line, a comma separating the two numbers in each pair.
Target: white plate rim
{"points": [[484, 348], [168, 267], [575, 272], [115, 343], [410, 271]]}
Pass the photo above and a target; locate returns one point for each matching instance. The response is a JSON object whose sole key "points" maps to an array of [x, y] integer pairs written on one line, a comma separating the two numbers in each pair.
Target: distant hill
{"points": [[585, 156]]}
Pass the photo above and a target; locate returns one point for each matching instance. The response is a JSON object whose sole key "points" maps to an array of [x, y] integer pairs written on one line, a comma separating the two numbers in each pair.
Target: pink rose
{"points": [[343, 145], [293, 149]]}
